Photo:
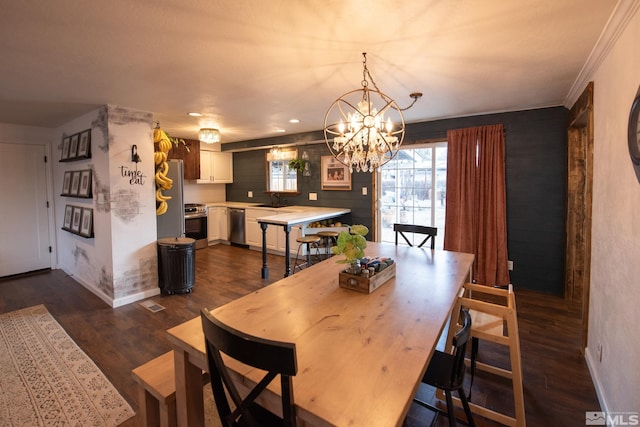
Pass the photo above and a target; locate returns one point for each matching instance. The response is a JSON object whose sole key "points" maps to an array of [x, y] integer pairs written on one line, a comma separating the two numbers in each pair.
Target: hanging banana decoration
{"points": [[163, 182]]}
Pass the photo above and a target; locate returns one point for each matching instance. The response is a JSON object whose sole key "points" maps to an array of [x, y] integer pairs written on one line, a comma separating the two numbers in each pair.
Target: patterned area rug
{"points": [[46, 379]]}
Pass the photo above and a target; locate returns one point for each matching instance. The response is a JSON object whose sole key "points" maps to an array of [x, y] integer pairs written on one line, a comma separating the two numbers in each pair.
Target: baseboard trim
{"points": [[118, 302], [135, 297], [591, 364]]}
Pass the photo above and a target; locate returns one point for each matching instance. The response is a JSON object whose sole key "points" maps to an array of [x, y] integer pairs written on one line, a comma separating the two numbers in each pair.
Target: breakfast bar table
{"points": [[360, 356], [286, 221]]}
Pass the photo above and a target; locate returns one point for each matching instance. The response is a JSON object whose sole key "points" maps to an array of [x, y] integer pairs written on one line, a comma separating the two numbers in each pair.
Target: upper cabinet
{"points": [[215, 167], [189, 153]]}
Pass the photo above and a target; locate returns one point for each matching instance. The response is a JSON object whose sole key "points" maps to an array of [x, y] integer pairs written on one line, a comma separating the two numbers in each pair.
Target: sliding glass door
{"points": [[412, 190]]}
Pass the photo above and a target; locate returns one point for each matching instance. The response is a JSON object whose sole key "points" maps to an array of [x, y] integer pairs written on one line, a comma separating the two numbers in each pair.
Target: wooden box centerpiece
{"points": [[363, 275], [366, 283]]}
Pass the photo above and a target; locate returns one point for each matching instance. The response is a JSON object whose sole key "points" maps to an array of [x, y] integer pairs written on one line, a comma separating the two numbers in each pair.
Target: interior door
{"points": [[24, 228]]}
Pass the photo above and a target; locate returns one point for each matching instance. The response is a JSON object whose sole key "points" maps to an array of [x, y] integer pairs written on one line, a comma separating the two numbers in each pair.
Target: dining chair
{"points": [[446, 372], [431, 233], [274, 357]]}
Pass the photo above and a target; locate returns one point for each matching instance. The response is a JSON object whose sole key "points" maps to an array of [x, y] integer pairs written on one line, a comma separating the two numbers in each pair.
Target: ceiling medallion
{"points": [[364, 128]]}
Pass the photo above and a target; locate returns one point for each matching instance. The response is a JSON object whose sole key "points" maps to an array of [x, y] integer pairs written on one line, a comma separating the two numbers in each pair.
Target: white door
{"points": [[24, 224]]}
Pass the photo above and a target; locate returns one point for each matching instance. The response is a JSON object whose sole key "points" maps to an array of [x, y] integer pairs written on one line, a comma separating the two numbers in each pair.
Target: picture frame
{"points": [[73, 147], [66, 142], [75, 183], [86, 222], [335, 175], [66, 183], [84, 189], [76, 219], [84, 146], [68, 215]]}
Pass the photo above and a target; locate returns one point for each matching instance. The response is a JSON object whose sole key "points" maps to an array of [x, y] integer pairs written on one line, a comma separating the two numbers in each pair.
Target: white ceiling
{"points": [[251, 65]]}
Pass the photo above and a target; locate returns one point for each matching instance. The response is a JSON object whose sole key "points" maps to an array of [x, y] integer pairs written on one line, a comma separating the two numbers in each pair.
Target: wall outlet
{"points": [[313, 196], [249, 194], [364, 191], [510, 265]]}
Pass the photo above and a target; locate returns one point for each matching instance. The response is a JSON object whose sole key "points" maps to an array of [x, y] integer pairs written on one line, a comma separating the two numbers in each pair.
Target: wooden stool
{"points": [[329, 238], [494, 321], [157, 391], [305, 240]]}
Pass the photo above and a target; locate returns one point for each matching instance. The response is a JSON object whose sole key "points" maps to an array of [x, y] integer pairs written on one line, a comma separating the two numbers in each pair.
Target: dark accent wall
{"points": [[536, 175]]}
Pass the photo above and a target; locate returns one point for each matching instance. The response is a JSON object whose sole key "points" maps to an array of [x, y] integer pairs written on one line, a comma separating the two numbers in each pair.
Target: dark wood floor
{"points": [[558, 388]]}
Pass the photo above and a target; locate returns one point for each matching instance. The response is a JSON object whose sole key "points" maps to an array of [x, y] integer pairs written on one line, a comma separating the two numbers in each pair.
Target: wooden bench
{"points": [[157, 391]]}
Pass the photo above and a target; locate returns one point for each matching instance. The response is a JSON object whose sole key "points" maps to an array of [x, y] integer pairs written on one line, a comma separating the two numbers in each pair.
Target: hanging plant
{"points": [[297, 164]]}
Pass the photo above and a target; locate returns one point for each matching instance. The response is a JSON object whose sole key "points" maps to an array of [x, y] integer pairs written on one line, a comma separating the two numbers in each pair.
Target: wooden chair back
{"points": [[431, 233], [275, 357], [459, 342]]}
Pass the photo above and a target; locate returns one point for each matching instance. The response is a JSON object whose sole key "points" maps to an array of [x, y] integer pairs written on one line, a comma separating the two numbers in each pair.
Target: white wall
{"points": [[615, 258], [119, 264]]}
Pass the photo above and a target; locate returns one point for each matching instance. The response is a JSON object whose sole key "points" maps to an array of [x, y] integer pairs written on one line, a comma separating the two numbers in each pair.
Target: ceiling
{"points": [[251, 66]]}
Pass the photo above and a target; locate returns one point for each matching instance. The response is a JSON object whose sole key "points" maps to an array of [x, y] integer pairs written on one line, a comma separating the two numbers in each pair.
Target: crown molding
{"points": [[622, 14]]}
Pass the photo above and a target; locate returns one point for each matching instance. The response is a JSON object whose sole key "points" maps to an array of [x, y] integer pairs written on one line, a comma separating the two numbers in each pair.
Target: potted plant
{"points": [[351, 244], [297, 164]]}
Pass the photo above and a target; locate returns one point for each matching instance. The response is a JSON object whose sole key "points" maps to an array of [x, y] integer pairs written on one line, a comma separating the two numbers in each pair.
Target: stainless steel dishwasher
{"points": [[236, 226]]}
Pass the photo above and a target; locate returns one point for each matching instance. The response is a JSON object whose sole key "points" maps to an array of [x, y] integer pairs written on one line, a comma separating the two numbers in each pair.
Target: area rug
{"points": [[46, 379]]}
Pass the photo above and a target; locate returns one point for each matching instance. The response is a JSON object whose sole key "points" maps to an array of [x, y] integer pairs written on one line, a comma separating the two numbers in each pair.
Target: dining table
{"points": [[361, 356]]}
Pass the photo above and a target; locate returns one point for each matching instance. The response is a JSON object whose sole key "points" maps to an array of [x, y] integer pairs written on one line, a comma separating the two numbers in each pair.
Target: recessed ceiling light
{"points": [[294, 121], [195, 114]]}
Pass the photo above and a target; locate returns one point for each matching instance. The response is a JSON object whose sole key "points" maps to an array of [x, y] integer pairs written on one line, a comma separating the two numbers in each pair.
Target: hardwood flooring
{"points": [[557, 386]]}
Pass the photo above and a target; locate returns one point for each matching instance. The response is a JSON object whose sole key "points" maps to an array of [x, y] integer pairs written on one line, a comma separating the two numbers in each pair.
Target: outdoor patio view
{"points": [[413, 191]]}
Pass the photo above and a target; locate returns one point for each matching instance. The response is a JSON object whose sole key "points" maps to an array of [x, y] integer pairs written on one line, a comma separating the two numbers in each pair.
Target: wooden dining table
{"points": [[360, 356]]}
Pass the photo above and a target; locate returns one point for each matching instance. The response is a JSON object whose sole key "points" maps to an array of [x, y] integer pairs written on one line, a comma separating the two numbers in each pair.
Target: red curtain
{"points": [[475, 218]]}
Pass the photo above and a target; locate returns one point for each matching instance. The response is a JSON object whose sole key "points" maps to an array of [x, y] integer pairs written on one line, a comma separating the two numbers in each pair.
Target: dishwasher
{"points": [[236, 226]]}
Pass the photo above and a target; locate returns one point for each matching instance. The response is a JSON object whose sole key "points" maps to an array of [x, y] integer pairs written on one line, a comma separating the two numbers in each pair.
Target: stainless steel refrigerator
{"points": [[171, 223]]}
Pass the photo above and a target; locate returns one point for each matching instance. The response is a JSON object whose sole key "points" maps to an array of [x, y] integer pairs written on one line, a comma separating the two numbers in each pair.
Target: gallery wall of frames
{"points": [[77, 183]]}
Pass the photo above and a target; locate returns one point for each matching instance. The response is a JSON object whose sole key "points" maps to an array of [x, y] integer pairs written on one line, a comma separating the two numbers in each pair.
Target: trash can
{"points": [[176, 264]]}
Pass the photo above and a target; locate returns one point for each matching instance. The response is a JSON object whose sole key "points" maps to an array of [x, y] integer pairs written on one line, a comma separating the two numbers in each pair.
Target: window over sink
{"points": [[280, 177]]}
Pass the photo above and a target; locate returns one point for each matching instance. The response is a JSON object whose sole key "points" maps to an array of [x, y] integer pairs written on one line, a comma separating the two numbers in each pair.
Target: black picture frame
{"points": [[73, 147], [66, 142], [84, 146], [66, 183], [84, 189], [75, 219], [68, 215], [86, 222], [75, 183]]}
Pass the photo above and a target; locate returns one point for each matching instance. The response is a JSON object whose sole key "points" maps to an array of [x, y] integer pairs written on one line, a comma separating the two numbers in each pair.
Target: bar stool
{"points": [[329, 239], [308, 240]]}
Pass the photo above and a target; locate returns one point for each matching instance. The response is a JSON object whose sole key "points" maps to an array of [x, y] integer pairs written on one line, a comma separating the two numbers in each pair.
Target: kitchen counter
{"points": [[250, 205], [305, 214]]}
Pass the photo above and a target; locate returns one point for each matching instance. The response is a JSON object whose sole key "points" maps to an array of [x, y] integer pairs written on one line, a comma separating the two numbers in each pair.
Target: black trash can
{"points": [[176, 264]]}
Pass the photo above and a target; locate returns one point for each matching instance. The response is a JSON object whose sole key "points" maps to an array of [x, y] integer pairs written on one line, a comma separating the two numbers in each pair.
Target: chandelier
{"points": [[209, 135], [364, 128]]}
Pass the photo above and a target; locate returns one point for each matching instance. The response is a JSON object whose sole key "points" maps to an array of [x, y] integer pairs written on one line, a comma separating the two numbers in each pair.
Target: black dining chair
{"points": [[275, 357], [431, 233], [446, 372]]}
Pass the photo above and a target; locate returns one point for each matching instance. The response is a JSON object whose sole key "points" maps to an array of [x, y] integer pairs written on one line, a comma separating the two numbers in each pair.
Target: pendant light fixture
{"points": [[364, 128], [209, 135]]}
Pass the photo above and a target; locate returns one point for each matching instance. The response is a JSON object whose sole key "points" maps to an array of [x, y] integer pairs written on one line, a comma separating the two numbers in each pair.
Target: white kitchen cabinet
{"points": [[276, 240], [253, 230], [217, 223], [215, 167]]}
